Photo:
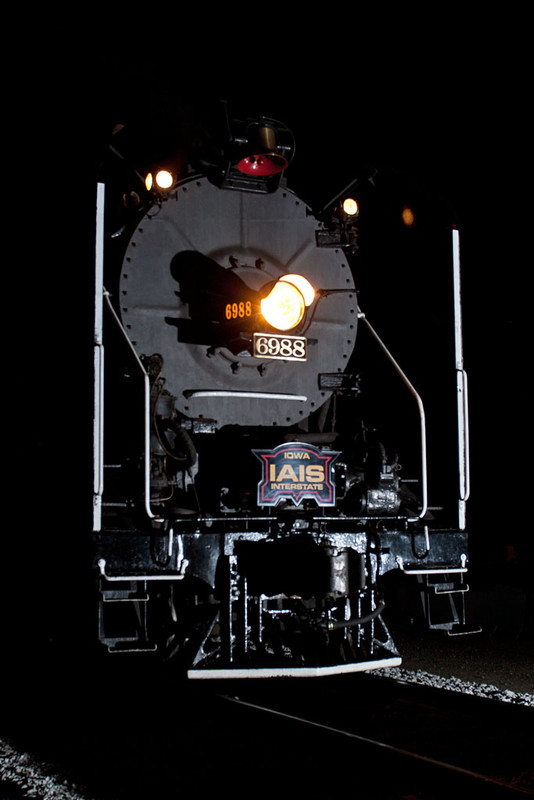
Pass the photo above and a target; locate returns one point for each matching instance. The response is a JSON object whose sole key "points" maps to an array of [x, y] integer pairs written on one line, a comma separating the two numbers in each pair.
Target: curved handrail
{"points": [[422, 421]]}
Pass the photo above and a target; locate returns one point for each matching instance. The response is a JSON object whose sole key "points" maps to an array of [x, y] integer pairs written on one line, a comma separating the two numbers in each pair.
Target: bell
{"points": [[264, 160]]}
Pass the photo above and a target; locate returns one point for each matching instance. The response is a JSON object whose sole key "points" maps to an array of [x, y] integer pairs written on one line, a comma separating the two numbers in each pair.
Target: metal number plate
{"points": [[287, 348]]}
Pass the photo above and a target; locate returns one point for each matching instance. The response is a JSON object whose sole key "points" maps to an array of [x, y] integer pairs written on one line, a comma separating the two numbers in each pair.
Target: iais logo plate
{"points": [[297, 471]]}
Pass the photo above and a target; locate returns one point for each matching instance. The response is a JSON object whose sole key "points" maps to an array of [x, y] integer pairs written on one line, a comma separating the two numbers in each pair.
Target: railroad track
{"points": [[432, 743], [129, 735]]}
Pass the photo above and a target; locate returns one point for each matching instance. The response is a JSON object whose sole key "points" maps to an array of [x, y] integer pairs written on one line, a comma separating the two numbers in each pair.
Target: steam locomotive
{"points": [[246, 514]]}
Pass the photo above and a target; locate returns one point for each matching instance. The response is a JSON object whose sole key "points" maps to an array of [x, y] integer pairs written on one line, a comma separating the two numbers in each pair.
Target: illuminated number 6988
{"points": [[291, 348]]}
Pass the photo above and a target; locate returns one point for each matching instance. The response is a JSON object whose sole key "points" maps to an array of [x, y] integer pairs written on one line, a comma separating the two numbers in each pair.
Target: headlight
{"points": [[303, 285], [284, 306]]}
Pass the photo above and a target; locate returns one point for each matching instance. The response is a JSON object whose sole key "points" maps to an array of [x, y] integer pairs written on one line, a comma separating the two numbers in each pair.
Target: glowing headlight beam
{"points": [[303, 285], [285, 305]]}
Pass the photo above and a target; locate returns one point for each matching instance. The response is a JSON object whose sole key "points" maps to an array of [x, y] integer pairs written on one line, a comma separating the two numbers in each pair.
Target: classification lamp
{"points": [[163, 179], [350, 207]]}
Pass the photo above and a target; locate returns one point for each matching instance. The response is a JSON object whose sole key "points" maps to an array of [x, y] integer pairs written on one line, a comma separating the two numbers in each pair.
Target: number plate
{"points": [[286, 348]]}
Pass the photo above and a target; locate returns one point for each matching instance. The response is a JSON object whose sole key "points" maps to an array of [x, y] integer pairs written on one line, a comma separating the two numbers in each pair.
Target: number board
{"points": [[287, 348], [238, 310]]}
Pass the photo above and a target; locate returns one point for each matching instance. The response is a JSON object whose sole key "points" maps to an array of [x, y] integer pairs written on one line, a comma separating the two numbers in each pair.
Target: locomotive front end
{"points": [[245, 514]]}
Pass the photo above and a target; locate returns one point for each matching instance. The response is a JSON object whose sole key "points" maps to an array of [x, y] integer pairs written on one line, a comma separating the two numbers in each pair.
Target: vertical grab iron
{"points": [[461, 389]]}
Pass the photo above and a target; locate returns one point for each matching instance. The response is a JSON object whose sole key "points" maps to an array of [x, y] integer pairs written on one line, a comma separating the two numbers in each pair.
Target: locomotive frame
{"points": [[288, 582]]}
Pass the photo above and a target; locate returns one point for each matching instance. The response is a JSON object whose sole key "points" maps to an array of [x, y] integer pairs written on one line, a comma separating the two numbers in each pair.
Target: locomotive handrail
{"points": [[146, 382], [175, 576], [463, 434], [254, 395], [432, 570], [411, 388], [98, 364], [98, 439], [429, 571], [461, 386]]}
